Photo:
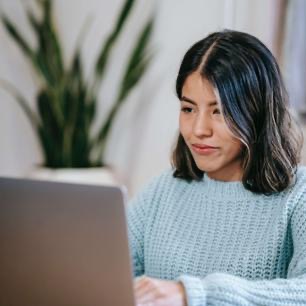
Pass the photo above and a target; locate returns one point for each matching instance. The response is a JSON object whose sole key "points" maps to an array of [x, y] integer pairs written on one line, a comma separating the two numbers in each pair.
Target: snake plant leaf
{"points": [[138, 62], [80, 132], [51, 155], [79, 113], [111, 39], [52, 130], [76, 89], [136, 67], [35, 24], [16, 36], [46, 8], [23, 103], [77, 78], [49, 53]]}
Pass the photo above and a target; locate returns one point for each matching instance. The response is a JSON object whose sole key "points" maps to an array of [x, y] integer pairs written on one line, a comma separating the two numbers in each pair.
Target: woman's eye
{"points": [[186, 109], [216, 111]]}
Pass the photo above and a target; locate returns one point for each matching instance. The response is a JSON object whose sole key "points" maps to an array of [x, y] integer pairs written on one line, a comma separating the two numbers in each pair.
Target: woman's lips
{"points": [[203, 149]]}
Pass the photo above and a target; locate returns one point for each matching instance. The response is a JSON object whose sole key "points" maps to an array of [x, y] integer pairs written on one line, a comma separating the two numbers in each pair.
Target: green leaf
{"points": [[16, 36], [136, 67], [111, 39], [49, 51], [10, 88], [138, 62], [35, 24], [51, 129]]}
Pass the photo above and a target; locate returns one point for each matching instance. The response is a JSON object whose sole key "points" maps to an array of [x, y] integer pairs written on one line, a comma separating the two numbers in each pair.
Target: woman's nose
{"points": [[202, 126]]}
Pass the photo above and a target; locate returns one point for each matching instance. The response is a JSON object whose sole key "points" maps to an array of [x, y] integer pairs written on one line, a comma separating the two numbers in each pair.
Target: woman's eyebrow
{"points": [[211, 103], [188, 100]]}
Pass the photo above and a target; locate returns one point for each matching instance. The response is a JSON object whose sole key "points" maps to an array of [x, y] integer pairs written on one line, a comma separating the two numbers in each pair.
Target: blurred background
{"points": [[123, 53]]}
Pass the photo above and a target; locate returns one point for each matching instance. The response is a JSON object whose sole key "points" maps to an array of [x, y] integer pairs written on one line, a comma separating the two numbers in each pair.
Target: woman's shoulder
{"points": [[301, 172], [300, 181], [160, 182], [158, 187], [297, 191]]}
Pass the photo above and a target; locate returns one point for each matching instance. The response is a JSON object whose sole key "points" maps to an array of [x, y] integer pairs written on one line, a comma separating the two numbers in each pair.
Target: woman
{"points": [[227, 226]]}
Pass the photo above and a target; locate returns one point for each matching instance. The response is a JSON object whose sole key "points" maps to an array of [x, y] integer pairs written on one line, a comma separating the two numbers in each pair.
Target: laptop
{"points": [[63, 244]]}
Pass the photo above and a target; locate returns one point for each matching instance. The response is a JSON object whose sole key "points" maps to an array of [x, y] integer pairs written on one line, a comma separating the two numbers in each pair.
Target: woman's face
{"points": [[213, 146]]}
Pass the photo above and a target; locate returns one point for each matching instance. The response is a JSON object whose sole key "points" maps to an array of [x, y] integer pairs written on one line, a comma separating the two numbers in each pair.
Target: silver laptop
{"points": [[63, 244]]}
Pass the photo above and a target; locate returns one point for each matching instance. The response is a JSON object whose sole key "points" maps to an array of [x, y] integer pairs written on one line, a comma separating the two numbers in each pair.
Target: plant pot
{"points": [[93, 176]]}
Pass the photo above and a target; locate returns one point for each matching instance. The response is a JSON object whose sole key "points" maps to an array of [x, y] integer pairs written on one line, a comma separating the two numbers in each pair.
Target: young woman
{"points": [[226, 226]]}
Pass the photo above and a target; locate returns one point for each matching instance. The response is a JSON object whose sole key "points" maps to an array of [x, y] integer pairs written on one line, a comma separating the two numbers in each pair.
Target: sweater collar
{"points": [[233, 189]]}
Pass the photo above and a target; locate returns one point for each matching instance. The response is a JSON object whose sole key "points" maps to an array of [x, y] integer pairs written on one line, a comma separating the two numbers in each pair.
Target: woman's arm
{"points": [[224, 289], [139, 209], [136, 222]]}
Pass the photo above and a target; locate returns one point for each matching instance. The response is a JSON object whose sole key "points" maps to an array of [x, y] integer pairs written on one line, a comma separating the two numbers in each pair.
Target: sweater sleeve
{"points": [[138, 211], [136, 216], [225, 289]]}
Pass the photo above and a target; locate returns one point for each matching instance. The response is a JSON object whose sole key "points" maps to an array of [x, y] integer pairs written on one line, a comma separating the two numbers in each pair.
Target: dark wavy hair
{"points": [[255, 107]]}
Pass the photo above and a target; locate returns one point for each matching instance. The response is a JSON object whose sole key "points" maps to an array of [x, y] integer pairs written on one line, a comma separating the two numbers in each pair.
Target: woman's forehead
{"points": [[197, 89]]}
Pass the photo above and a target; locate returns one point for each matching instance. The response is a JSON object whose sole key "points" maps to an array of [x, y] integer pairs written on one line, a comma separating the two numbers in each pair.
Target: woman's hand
{"points": [[156, 292]]}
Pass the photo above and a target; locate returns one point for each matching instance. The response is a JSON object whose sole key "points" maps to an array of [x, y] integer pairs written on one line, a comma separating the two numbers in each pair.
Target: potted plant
{"points": [[66, 103]]}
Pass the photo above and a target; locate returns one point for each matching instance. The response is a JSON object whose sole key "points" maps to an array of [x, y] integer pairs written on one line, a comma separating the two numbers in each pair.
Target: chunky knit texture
{"points": [[227, 245]]}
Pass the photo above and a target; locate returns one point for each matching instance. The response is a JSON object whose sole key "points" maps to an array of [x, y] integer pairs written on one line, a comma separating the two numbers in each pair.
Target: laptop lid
{"points": [[63, 244]]}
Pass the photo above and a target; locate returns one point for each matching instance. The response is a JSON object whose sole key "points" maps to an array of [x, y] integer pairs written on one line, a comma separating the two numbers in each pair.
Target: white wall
{"points": [[144, 133]]}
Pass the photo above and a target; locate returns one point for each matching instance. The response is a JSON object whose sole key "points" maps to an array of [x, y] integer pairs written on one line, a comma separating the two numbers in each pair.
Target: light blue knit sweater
{"points": [[227, 245]]}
